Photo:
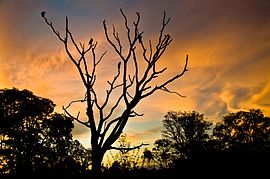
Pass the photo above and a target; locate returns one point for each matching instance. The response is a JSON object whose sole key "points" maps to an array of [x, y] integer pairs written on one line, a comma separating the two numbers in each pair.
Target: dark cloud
{"points": [[240, 95], [197, 20], [80, 130], [211, 105], [262, 98], [264, 104]]}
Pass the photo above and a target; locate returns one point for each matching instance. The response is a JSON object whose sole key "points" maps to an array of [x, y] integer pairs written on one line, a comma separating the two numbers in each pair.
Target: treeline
{"points": [[237, 146], [34, 140], [240, 137]]}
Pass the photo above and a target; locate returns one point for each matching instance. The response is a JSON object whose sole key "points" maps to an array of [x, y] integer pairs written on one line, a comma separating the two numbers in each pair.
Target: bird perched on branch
{"points": [[43, 13], [90, 41]]}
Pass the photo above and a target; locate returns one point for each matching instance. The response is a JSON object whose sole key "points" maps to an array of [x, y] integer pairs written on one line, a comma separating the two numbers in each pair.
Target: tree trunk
{"points": [[97, 157]]}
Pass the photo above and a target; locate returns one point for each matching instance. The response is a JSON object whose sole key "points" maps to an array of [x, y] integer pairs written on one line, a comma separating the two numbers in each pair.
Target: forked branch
{"points": [[124, 150], [132, 82]]}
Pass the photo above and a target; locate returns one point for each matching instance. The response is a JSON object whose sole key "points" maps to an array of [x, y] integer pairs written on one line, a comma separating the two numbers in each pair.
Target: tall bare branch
{"points": [[126, 88]]}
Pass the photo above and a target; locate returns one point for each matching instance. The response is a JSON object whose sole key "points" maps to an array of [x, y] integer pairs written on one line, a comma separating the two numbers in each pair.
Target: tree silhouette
{"points": [[81, 156], [131, 84], [187, 132], [163, 153], [33, 138], [244, 134], [21, 113], [148, 158]]}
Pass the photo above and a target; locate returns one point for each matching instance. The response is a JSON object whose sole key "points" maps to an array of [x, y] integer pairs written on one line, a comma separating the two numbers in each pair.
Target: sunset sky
{"points": [[228, 43]]}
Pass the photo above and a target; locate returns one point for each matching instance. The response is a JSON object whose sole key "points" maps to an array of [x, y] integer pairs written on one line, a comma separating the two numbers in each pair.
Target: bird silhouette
{"points": [[90, 41], [43, 13]]}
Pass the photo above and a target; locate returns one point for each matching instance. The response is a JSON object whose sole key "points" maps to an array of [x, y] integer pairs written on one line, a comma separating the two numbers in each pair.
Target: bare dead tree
{"points": [[134, 86]]}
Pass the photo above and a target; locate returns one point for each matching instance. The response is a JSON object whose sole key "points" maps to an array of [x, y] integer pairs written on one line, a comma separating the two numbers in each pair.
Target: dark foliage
{"points": [[243, 139], [187, 133], [238, 146], [36, 142], [33, 138]]}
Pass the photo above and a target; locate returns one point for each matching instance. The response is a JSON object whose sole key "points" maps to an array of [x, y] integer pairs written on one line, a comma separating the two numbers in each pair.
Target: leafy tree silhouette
{"points": [[21, 113], [33, 138], [148, 159], [187, 133], [128, 86], [237, 146], [162, 153], [244, 137]]}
